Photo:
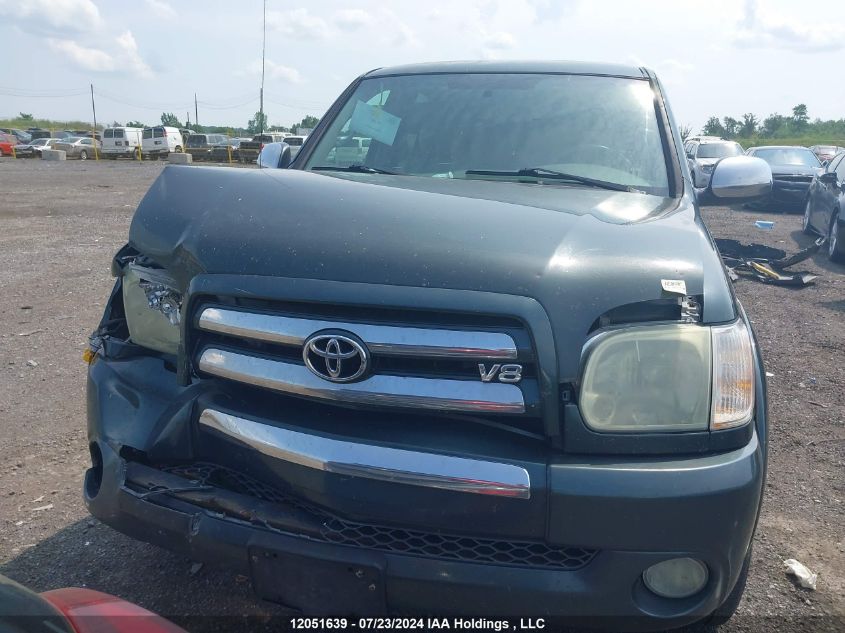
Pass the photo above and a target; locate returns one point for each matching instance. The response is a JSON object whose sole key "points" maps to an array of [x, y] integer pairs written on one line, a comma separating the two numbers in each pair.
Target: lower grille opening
{"points": [[333, 529]]}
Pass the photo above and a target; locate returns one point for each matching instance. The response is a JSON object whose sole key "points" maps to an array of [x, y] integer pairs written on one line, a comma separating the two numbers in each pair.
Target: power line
{"points": [[19, 92]]}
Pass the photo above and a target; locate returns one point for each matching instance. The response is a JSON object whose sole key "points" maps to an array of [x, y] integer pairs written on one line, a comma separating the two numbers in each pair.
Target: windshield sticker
{"points": [[678, 286], [373, 121]]}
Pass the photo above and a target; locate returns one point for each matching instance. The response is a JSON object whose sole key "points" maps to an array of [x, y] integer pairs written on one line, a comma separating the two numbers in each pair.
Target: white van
{"points": [[121, 141], [160, 141]]}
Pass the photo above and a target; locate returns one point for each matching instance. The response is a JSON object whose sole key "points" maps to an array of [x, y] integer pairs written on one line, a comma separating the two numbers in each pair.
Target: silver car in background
{"points": [[703, 156], [81, 147]]}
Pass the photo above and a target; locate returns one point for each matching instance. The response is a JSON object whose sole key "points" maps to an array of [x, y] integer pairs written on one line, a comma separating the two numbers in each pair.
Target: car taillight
{"points": [[94, 612], [262, 146]]}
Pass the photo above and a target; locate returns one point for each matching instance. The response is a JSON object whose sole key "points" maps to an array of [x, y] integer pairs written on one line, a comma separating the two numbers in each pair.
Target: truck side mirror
{"points": [[737, 179], [275, 156]]}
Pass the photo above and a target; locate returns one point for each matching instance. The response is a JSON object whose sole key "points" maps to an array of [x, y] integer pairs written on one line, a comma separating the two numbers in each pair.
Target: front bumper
{"points": [[629, 512], [125, 152], [789, 193]]}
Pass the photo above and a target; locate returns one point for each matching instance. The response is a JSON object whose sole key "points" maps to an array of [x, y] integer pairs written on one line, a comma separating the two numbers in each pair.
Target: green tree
{"points": [[257, 124], [748, 127], [731, 126], [713, 127], [800, 117], [135, 124], [170, 120], [772, 124], [25, 116], [309, 122]]}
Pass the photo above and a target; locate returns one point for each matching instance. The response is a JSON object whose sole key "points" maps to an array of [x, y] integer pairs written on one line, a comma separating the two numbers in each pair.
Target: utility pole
{"points": [[196, 112], [261, 92], [94, 135], [188, 120]]}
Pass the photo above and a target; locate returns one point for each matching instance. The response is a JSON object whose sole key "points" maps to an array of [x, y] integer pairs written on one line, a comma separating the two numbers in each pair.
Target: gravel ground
{"points": [[61, 223]]}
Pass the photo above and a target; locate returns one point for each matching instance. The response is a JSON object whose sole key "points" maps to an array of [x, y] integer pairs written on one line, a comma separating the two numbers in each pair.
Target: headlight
{"points": [[707, 169], [664, 378], [153, 308]]}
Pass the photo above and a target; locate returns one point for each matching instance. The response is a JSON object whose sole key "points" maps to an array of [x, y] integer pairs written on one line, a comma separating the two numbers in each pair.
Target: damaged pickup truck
{"points": [[488, 363]]}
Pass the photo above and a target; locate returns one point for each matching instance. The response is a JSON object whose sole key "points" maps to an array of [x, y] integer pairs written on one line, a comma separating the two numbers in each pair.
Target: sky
{"points": [[143, 57]]}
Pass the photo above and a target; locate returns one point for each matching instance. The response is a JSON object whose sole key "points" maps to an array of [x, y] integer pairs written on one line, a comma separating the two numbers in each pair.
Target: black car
{"points": [[221, 152], [200, 146], [494, 367], [793, 169], [824, 211]]}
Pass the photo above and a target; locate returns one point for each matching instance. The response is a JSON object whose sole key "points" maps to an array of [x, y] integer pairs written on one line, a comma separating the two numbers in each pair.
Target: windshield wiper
{"points": [[543, 173], [357, 168]]}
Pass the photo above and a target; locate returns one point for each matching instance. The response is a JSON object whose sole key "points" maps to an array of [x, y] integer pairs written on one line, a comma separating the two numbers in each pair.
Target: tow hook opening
{"points": [[94, 475]]}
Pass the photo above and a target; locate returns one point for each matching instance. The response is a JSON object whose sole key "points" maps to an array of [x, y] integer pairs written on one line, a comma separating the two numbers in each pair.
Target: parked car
{"points": [[824, 211], [249, 150], [78, 147], [703, 156], [793, 169], [20, 135], [121, 141], [698, 138], [497, 366], [7, 144], [159, 141], [36, 133], [73, 610], [199, 145], [33, 148], [826, 153], [90, 134], [295, 143], [220, 152]]}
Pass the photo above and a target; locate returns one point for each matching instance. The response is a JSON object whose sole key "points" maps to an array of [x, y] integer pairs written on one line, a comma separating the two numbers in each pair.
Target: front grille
{"points": [[416, 358], [410, 542]]}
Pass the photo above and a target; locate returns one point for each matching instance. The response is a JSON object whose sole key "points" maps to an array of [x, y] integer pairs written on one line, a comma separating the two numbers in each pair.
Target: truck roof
{"points": [[561, 67]]}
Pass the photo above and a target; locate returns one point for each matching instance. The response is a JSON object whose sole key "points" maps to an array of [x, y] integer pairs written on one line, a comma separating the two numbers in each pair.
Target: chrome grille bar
{"points": [[385, 390], [380, 339], [383, 463]]}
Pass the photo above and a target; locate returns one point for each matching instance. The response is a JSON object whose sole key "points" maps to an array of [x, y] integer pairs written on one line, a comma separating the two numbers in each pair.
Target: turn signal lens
{"points": [[733, 376]]}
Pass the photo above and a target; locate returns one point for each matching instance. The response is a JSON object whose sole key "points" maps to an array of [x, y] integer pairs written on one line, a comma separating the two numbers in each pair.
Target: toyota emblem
{"points": [[336, 357]]}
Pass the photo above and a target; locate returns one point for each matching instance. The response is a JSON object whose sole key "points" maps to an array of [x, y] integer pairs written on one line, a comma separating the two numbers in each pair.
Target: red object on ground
{"points": [[93, 612]]}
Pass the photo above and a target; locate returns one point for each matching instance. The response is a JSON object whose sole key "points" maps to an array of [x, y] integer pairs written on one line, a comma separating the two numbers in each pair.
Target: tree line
{"points": [[775, 126]]}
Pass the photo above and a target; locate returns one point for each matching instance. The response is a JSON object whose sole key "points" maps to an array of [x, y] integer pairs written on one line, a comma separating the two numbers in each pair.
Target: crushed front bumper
{"points": [[613, 518]]}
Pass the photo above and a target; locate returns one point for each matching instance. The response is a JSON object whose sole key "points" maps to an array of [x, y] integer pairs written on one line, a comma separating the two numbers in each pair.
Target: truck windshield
{"points": [[500, 125]]}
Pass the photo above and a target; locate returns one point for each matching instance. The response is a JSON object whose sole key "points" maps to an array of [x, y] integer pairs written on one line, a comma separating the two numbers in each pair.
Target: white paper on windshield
{"points": [[374, 122]]}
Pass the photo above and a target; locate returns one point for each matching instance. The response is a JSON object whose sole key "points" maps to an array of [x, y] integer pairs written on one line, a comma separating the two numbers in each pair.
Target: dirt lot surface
{"points": [[61, 223]]}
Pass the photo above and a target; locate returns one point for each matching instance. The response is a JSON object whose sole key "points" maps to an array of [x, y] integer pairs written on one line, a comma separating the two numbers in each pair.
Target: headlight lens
{"points": [[665, 378], [153, 308], [648, 379], [707, 168]]}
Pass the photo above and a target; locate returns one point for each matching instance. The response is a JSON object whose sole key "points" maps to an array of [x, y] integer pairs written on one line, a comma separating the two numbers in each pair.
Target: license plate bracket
{"points": [[319, 586]]}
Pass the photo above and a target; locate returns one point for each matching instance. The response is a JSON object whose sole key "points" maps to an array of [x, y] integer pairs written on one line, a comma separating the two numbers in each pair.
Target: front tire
{"points": [[83, 155], [806, 227], [178, 149], [835, 247]]}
